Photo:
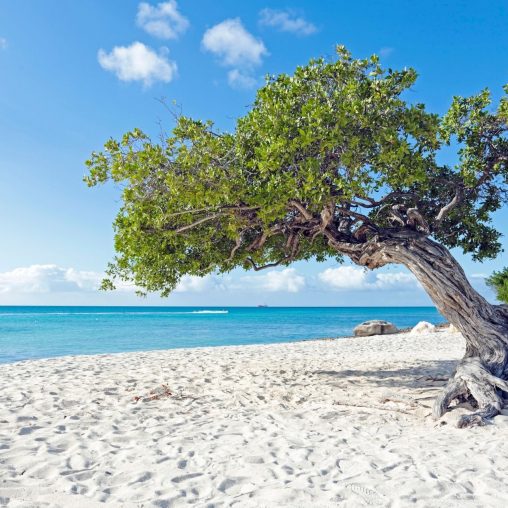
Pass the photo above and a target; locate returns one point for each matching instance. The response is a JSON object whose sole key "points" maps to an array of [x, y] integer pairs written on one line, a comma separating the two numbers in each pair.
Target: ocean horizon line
{"points": [[226, 306]]}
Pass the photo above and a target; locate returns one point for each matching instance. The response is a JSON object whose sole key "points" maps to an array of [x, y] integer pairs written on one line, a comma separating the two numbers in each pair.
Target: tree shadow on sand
{"points": [[427, 374]]}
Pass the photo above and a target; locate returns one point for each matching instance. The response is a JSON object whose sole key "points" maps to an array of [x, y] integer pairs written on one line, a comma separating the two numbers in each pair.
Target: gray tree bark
{"points": [[481, 375]]}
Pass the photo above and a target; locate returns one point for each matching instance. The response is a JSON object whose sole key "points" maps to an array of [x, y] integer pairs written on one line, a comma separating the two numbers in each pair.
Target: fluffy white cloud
{"points": [[395, 280], [3, 43], [138, 62], [234, 45], [54, 279], [350, 278], [47, 279], [344, 277], [286, 21], [287, 280], [84, 280], [163, 21], [238, 79], [195, 284]]}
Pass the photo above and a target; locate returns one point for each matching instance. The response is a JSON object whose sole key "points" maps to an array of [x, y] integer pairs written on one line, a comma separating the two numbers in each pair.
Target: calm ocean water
{"points": [[40, 332]]}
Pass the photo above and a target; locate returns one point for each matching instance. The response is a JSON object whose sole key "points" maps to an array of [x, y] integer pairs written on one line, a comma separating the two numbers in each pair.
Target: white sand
{"points": [[266, 426]]}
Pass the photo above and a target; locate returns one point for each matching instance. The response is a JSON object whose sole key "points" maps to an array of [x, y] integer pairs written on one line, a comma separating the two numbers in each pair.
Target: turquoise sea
{"points": [[41, 332]]}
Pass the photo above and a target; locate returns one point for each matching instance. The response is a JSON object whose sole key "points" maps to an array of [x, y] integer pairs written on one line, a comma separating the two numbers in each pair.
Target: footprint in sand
{"points": [[28, 430], [190, 476], [370, 497]]}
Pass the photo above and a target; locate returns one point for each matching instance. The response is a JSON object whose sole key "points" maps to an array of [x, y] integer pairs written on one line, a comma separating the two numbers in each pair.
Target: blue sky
{"points": [[72, 74]]}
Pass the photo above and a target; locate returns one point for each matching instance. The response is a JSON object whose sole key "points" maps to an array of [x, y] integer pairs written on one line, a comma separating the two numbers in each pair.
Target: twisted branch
{"points": [[268, 265]]}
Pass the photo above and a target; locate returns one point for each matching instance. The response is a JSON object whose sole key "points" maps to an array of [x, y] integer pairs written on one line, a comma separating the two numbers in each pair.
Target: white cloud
{"points": [[52, 278], [138, 62], [478, 276], [344, 277], [286, 21], [195, 284], [163, 21], [234, 45], [350, 278], [238, 79], [3, 43], [85, 280], [287, 280], [47, 279], [396, 280]]}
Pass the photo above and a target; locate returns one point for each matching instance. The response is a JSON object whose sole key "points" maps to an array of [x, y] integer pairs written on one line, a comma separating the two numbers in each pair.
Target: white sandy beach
{"points": [[262, 426]]}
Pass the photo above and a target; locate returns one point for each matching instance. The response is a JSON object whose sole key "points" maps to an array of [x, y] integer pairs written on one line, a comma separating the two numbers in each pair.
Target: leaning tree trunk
{"points": [[482, 373]]}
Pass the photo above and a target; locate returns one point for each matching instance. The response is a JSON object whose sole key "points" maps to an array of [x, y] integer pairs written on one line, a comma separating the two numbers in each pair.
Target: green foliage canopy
{"points": [[332, 151]]}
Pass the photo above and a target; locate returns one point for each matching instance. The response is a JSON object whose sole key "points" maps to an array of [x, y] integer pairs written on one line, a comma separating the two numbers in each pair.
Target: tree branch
{"points": [[396, 216], [215, 208], [235, 248], [269, 265], [327, 215], [452, 204], [258, 242], [356, 215], [299, 206], [372, 203], [343, 247], [224, 211], [197, 223], [416, 220]]}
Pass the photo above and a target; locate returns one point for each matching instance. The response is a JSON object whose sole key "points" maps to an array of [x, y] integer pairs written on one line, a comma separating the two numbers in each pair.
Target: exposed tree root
{"points": [[480, 376], [473, 379]]}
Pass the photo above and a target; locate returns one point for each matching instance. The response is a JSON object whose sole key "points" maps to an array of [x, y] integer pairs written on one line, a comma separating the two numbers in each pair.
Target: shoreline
{"points": [[439, 326], [323, 422], [68, 332]]}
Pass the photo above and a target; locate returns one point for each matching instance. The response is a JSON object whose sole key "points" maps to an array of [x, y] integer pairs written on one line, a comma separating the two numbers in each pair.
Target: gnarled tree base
{"points": [[473, 379], [481, 375]]}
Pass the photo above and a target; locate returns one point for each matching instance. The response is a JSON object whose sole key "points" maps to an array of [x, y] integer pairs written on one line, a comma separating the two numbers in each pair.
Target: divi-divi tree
{"points": [[332, 161]]}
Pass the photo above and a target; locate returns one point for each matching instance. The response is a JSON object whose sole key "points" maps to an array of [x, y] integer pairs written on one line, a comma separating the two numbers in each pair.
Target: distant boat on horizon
{"points": [[262, 305]]}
